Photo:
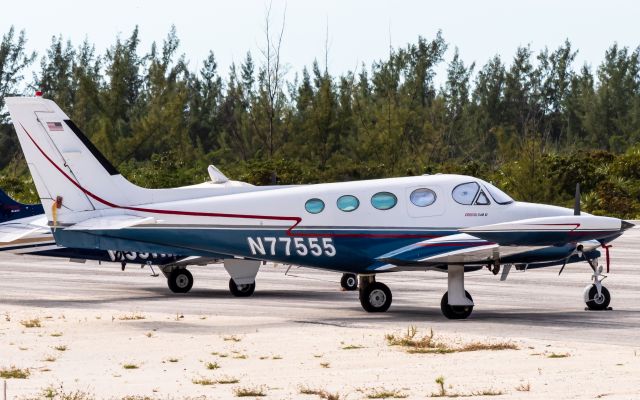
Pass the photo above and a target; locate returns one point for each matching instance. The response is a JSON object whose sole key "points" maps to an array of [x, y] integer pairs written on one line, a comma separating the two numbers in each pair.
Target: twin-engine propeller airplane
{"points": [[447, 223]]}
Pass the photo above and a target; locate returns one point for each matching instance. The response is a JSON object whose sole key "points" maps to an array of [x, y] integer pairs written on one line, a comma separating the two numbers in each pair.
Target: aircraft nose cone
{"points": [[626, 225]]}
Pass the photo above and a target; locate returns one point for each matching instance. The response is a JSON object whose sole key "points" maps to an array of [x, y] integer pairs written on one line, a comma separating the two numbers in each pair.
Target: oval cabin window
{"points": [[423, 197], [348, 203], [314, 206], [384, 200]]}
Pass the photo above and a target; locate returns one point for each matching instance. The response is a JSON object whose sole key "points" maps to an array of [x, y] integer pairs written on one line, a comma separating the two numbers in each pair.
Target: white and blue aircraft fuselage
{"points": [[448, 223]]}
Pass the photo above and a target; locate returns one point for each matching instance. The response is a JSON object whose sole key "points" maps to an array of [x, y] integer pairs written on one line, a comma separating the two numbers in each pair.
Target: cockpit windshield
{"points": [[498, 195]]}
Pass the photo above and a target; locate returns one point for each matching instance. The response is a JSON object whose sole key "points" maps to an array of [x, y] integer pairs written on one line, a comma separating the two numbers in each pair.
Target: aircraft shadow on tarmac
{"points": [[347, 302]]}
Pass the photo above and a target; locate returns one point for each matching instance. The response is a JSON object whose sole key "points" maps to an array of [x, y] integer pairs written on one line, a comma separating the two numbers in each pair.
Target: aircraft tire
{"points": [[598, 303], [241, 290], [455, 312], [375, 297], [180, 280], [349, 282]]}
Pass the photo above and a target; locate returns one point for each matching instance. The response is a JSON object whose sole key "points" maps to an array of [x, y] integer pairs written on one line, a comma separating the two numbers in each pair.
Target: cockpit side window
{"points": [[482, 199], [498, 195], [465, 193]]}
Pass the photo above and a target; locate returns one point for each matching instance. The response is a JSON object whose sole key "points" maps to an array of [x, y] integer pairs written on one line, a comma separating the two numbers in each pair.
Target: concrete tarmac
{"points": [[536, 304]]}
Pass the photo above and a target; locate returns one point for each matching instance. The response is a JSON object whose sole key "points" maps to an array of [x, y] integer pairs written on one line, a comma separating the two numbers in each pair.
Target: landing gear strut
{"points": [[349, 282], [180, 280], [374, 296], [596, 296]]}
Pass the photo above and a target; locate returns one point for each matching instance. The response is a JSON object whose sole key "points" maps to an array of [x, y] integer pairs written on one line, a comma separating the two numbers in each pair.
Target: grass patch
{"points": [[323, 394], [226, 380], [54, 393], [31, 323], [61, 347], [558, 355], [149, 334], [415, 344], [203, 381], [352, 347], [254, 391], [524, 387], [56, 334], [276, 357], [232, 338], [173, 360], [240, 357], [212, 365], [386, 394], [49, 359], [13, 372], [325, 365], [131, 317], [130, 366], [442, 392]]}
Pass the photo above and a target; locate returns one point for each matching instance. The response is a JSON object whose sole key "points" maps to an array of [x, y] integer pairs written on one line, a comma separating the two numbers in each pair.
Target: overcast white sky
{"points": [[359, 31]]}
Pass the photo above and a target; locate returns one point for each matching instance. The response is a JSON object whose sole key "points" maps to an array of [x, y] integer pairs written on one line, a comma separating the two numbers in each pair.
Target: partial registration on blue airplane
{"points": [[24, 230], [443, 223]]}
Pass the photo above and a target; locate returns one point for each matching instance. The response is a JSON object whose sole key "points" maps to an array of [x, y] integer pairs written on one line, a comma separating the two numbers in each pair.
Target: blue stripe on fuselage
{"points": [[341, 250]]}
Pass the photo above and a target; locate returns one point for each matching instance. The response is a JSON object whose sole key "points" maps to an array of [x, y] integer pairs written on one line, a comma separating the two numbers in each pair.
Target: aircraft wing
{"points": [[110, 222], [21, 228], [549, 231], [458, 249]]}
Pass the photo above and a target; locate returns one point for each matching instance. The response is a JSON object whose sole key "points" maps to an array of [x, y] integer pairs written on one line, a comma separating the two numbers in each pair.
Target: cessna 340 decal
{"points": [[446, 223]]}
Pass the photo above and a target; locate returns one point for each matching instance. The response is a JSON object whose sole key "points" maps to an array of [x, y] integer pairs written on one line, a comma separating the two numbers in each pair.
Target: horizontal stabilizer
{"points": [[548, 231], [109, 223], [21, 228]]}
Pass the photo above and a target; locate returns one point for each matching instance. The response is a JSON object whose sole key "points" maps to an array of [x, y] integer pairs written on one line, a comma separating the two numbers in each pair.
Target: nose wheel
{"points": [[597, 301], [180, 280]]}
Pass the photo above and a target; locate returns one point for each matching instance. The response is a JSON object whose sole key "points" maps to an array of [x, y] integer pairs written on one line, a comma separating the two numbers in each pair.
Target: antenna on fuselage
{"points": [[576, 204]]}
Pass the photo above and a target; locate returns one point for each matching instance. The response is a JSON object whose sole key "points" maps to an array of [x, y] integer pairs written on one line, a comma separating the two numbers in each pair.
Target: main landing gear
{"points": [[349, 282], [374, 296], [180, 280], [456, 303], [596, 296], [241, 284]]}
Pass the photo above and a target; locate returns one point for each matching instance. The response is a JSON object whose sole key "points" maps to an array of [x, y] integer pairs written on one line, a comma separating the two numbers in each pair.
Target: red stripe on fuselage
{"points": [[289, 232]]}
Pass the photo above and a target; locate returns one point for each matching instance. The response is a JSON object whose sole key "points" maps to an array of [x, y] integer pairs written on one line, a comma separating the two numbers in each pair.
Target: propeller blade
{"points": [[576, 204]]}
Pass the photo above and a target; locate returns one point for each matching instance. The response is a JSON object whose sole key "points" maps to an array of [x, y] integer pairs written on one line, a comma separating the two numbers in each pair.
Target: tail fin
{"points": [[66, 168], [11, 209]]}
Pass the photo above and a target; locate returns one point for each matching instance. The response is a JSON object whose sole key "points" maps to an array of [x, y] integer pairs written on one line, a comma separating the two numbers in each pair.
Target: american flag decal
{"points": [[55, 126]]}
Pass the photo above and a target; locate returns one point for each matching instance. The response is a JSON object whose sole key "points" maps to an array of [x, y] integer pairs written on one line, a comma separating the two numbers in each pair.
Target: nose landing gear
{"points": [[596, 296]]}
